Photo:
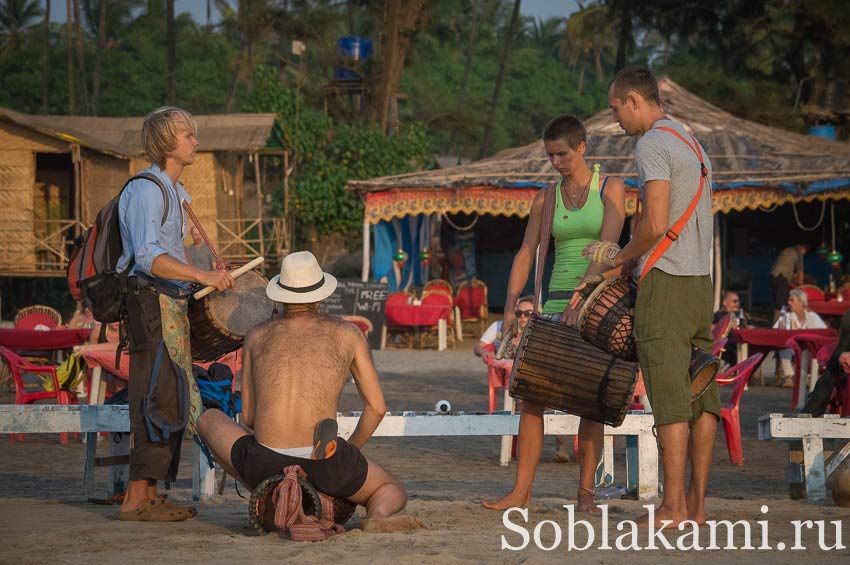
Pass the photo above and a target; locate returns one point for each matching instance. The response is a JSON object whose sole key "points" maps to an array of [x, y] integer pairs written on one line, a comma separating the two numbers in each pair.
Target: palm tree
{"points": [[546, 35], [504, 58], [45, 60], [16, 17], [588, 37]]}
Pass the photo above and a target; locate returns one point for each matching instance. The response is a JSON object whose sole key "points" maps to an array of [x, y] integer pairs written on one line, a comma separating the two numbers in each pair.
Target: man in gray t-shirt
{"points": [[661, 156], [673, 310], [199, 253]]}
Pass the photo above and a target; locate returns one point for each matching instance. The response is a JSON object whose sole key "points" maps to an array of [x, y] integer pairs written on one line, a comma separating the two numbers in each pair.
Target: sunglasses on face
{"points": [[524, 313]]}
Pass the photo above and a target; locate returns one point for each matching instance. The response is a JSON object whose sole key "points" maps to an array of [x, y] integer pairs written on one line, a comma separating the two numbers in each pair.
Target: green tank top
{"points": [[573, 230]]}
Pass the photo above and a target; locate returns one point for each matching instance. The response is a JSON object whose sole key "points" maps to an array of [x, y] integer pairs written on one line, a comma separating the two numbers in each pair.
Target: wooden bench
{"points": [[642, 451], [812, 432]]}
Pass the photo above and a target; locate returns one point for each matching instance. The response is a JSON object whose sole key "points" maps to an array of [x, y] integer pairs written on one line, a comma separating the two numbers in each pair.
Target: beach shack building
{"points": [[766, 181], [56, 172]]}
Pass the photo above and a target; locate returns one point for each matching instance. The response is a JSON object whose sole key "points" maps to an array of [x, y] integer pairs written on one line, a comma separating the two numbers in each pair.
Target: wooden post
{"points": [[364, 275], [259, 202], [718, 265]]}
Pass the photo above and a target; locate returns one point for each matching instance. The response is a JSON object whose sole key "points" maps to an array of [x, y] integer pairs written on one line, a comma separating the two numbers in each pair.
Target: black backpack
{"points": [[102, 286]]}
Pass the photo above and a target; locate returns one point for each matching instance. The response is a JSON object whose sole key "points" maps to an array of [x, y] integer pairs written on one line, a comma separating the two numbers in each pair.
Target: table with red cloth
{"points": [[101, 357], [418, 315], [829, 307], [763, 340], [47, 340]]}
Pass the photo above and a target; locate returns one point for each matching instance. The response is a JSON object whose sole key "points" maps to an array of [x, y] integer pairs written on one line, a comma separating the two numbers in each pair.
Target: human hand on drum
{"points": [[221, 280], [583, 290], [602, 252], [570, 315]]}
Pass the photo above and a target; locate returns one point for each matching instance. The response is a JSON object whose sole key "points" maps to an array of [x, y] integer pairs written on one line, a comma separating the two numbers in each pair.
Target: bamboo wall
{"points": [[17, 186], [103, 177]]}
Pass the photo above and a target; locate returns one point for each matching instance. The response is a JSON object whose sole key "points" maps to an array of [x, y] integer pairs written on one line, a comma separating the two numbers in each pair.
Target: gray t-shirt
{"points": [[201, 257], [660, 155]]}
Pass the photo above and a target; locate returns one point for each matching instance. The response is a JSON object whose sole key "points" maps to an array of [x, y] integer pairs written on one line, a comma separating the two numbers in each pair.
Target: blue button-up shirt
{"points": [[143, 235]]}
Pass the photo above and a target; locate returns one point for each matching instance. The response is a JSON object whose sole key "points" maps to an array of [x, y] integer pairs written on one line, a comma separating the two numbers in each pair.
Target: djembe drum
{"points": [[554, 367], [606, 320], [220, 320], [606, 317], [261, 507]]}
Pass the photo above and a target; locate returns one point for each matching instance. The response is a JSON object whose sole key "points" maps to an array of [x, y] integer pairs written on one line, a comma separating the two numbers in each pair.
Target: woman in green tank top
{"points": [[588, 207]]}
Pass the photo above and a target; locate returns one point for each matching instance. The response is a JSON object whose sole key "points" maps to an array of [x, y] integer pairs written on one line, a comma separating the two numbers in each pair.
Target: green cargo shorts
{"points": [[672, 314]]}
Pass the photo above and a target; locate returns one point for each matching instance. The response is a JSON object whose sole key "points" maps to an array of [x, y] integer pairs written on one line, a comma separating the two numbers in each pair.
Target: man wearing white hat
{"points": [[294, 369]]}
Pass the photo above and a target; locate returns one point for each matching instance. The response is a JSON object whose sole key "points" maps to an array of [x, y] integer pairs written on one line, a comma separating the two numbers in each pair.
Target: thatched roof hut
{"points": [[754, 165], [56, 172]]}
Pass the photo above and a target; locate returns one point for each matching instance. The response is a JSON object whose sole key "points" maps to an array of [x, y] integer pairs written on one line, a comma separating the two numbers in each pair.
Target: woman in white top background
{"points": [[798, 317]]}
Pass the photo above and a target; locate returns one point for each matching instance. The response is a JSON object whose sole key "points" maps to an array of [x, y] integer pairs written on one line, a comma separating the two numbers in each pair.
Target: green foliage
{"points": [[327, 155]]}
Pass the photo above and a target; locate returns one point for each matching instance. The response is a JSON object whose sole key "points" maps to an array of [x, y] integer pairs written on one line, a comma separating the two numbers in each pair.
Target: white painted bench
{"points": [[812, 432], [642, 451]]}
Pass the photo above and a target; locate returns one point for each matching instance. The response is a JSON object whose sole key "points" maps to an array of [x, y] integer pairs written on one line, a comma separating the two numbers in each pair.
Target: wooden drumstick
{"points": [[235, 273]]}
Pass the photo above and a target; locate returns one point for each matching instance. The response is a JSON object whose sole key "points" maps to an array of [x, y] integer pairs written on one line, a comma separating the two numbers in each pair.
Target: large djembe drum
{"points": [[554, 367], [219, 321]]}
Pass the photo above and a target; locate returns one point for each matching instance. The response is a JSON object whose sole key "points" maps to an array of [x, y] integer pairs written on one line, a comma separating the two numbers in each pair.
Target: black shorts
{"points": [[339, 476]]}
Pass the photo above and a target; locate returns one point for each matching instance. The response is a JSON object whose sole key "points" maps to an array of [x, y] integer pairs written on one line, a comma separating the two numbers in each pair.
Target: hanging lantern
{"points": [[400, 258], [425, 256], [823, 251], [835, 257]]}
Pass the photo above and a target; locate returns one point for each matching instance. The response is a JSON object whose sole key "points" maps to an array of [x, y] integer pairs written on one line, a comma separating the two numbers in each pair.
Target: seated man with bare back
{"points": [[293, 370]]}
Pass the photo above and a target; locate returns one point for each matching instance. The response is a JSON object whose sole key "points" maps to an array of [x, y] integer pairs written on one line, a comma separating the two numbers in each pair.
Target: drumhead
{"points": [[242, 308], [703, 368]]}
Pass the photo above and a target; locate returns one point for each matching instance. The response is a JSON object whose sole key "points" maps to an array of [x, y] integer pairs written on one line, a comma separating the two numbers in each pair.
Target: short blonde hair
{"points": [[160, 131]]}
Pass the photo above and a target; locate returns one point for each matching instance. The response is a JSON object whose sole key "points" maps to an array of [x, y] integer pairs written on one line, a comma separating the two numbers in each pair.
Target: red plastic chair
{"points": [[722, 327], [17, 366], [718, 346], [811, 343], [729, 414], [812, 292], [839, 401]]}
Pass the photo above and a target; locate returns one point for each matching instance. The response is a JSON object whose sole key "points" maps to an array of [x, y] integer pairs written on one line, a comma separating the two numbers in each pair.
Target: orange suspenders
{"points": [[673, 233]]}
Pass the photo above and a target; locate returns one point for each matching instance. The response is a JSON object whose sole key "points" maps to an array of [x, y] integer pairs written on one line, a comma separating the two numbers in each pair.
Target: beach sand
{"points": [[44, 514]]}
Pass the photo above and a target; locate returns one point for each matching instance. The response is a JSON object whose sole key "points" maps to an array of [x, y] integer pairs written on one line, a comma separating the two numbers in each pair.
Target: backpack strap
{"points": [[674, 231], [543, 245]]}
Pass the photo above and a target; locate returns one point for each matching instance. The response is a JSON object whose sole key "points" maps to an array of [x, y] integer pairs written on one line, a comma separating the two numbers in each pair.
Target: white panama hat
{"points": [[301, 280]]}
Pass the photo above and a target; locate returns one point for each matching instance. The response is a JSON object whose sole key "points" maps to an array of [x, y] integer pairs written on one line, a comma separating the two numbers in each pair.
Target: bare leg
{"points": [[219, 433], [530, 448], [590, 437], [383, 496], [674, 445], [138, 493], [702, 455]]}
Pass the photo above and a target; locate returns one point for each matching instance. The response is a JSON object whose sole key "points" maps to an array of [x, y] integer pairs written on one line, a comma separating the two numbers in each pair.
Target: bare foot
{"points": [[561, 456], [663, 514], [585, 503], [391, 524], [696, 511], [511, 500]]}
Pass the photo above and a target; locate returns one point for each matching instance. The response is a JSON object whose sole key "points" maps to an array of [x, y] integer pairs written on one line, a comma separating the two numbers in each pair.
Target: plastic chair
{"points": [[17, 366], [839, 401], [722, 328], [471, 306], [729, 414], [718, 346], [497, 378], [811, 343], [812, 292], [31, 316], [397, 298]]}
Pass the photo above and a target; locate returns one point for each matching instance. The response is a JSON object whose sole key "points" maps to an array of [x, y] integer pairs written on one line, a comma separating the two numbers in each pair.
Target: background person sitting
{"points": [[837, 369], [798, 318], [492, 336], [786, 270], [731, 305]]}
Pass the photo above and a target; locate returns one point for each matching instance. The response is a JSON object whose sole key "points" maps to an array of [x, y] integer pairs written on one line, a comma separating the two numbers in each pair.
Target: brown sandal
{"points": [[155, 510]]}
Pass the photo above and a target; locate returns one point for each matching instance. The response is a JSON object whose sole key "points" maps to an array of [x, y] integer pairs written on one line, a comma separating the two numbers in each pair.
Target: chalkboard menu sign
{"points": [[362, 299]]}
